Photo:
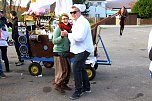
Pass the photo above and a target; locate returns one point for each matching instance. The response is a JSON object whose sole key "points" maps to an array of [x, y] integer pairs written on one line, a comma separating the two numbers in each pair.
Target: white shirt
{"points": [[81, 37], [4, 36], [149, 47]]}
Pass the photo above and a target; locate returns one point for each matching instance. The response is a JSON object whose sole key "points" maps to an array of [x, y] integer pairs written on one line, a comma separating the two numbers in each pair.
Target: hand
{"points": [[64, 33], [111, 16]]}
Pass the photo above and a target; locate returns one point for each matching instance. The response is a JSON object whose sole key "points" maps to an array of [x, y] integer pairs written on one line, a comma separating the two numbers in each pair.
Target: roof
{"points": [[120, 3]]}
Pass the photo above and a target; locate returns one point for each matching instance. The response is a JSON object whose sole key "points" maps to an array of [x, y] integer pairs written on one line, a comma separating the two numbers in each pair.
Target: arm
{"points": [[4, 33], [15, 29], [57, 36], [117, 13]]}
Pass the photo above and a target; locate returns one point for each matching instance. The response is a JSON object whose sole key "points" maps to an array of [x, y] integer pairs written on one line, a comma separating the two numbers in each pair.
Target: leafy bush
{"points": [[143, 8]]}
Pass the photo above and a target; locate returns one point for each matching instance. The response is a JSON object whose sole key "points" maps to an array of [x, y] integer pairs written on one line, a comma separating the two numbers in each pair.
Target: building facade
{"points": [[97, 8]]}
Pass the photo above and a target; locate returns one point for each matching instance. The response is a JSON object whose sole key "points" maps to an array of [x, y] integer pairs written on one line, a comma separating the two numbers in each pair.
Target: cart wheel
{"points": [[91, 72], [96, 66], [35, 69], [48, 64]]}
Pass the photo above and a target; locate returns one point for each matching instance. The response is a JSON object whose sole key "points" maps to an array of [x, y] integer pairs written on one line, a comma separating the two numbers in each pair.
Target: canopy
{"points": [[39, 7], [63, 6]]}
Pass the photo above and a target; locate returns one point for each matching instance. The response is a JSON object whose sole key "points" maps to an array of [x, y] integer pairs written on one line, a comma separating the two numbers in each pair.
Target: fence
{"points": [[131, 20]]}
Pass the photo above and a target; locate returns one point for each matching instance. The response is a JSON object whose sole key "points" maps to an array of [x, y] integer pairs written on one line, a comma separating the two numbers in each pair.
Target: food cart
{"points": [[35, 45], [38, 48]]}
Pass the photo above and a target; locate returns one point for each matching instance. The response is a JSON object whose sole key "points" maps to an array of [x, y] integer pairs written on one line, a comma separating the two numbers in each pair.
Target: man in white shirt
{"points": [[81, 45], [149, 48]]}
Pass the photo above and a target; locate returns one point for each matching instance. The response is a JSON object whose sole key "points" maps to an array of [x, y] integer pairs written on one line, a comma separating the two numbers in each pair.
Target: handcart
{"points": [[39, 50]]}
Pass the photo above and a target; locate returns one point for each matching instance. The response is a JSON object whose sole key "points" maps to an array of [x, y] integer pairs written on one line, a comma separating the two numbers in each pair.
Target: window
{"points": [[90, 4], [99, 3]]}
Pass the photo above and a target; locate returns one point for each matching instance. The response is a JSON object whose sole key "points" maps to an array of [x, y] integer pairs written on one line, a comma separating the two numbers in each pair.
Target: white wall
{"points": [[97, 11]]}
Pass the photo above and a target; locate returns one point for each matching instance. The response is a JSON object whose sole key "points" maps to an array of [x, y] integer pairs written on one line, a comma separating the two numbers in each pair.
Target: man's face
{"points": [[75, 13]]}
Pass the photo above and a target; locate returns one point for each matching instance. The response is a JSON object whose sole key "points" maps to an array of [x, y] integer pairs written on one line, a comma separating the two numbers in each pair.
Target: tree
{"points": [[19, 5], [28, 5], [143, 8], [10, 5], [4, 7]]}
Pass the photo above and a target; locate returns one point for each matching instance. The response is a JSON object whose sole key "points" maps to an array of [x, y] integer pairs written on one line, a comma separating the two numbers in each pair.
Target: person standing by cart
{"points": [[2, 75], [61, 54], [3, 44], [81, 45], [15, 36], [2, 17]]}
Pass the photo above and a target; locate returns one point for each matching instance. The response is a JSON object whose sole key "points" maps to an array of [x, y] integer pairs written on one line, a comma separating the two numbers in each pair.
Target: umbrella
{"points": [[39, 7]]}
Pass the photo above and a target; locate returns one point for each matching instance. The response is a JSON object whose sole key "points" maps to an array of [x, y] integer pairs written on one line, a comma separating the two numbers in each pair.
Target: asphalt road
{"points": [[127, 79]]}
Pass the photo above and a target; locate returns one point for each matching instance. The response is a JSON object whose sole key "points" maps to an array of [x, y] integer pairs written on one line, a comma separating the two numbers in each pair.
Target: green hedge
{"points": [[143, 8]]}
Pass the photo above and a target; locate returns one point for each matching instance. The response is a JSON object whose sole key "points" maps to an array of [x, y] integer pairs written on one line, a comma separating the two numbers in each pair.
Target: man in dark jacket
{"points": [[15, 36], [2, 18]]}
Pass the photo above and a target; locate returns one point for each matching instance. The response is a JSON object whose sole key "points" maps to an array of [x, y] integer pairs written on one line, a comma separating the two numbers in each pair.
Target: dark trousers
{"points": [[80, 74], [4, 56], [122, 24], [17, 51]]}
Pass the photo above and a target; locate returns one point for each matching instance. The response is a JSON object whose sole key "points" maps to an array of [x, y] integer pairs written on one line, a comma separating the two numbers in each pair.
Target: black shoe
{"points": [[19, 63], [59, 89], [65, 87], [7, 70], [76, 95], [120, 34], [2, 75], [87, 90]]}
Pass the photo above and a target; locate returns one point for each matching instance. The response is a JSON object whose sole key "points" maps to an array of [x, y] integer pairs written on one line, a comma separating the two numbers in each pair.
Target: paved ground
{"points": [[127, 79]]}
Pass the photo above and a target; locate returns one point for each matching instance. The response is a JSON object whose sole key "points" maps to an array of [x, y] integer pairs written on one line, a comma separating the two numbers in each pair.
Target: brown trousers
{"points": [[62, 70]]}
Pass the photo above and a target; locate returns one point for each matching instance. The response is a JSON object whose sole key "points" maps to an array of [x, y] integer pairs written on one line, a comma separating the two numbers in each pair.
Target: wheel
{"points": [[91, 72], [48, 64], [10, 42], [96, 66], [35, 69]]}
